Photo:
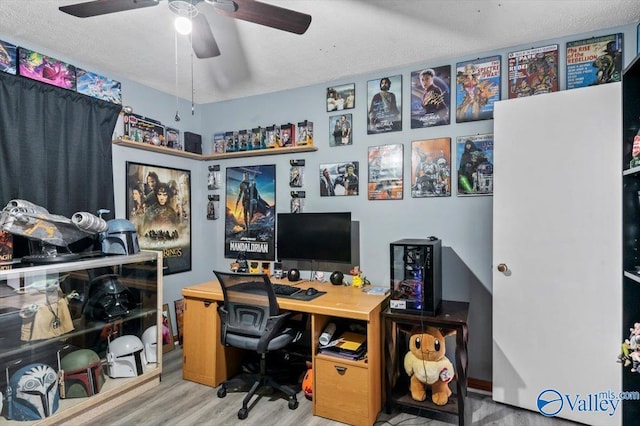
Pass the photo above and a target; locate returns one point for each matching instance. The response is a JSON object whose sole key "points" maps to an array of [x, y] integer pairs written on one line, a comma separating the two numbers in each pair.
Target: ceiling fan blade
{"points": [[268, 15], [103, 7], [203, 42]]}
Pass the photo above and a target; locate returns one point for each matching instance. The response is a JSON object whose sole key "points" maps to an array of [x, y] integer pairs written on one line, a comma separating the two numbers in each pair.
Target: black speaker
{"points": [[193, 142], [293, 274], [336, 278]]}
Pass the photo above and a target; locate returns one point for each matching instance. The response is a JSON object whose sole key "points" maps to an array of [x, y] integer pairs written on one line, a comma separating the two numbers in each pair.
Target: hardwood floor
{"points": [[183, 403]]}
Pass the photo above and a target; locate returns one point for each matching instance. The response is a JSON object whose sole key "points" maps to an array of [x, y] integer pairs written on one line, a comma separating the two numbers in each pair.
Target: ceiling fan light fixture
{"points": [[183, 25]]}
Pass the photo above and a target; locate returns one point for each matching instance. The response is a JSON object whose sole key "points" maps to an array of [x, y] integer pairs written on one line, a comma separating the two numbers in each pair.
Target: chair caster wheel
{"points": [[243, 413], [222, 392], [293, 404]]}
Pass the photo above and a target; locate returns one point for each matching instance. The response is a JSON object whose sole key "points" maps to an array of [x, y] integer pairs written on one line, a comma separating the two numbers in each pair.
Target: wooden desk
{"points": [[344, 390], [452, 316]]}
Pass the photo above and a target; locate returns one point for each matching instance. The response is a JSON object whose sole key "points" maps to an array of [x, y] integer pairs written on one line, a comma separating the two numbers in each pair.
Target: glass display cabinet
{"points": [[76, 337]]}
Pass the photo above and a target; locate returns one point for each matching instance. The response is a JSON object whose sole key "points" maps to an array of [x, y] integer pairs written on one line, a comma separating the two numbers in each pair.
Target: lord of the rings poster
{"points": [[250, 217], [158, 204]]}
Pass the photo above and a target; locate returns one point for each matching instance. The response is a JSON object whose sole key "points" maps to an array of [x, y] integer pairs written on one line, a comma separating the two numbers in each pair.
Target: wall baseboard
{"points": [[483, 385]]}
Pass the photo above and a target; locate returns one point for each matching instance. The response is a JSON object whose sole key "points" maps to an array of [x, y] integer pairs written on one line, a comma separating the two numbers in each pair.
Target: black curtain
{"points": [[55, 147]]}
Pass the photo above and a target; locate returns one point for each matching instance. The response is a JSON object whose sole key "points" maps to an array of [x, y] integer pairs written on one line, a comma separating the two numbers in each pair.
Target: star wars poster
{"points": [[384, 98], [430, 97], [477, 88], [385, 172], [158, 204], [431, 168], [339, 179], [593, 61], [475, 164], [250, 212], [533, 71]]}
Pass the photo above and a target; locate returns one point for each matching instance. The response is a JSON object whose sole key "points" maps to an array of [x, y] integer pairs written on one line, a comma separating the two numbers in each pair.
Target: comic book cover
{"points": [[475, 164], [97, 86], [304, 133], [384, 97], [430, 97], [250, 212], [8, 55], [593, 61], [45, 69], [477, 88], [6, 249], [431, 168], [287, 135], [533, 71], [217, 143], [385, 172]]}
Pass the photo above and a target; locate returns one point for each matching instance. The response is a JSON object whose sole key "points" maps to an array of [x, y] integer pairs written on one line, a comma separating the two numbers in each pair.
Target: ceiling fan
{"points": [[203, 43]]}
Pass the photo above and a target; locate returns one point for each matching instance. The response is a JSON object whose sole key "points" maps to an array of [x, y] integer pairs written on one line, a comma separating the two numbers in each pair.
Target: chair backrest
{"points": [[249, 302]]}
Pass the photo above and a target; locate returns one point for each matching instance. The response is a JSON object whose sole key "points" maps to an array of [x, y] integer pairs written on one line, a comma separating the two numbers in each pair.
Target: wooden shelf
{"points": [[208, 157]]}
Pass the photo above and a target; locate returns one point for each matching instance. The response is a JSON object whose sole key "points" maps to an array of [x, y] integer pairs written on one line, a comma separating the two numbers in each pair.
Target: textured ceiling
{"points": [[346, 37]]}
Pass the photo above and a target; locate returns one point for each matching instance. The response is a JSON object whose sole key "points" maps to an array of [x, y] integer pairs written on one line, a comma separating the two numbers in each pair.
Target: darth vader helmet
{"points": [[108, 299]]}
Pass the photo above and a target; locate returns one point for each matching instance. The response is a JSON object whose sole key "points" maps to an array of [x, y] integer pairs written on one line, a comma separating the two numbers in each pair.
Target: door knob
{"points": [[502, 268]]}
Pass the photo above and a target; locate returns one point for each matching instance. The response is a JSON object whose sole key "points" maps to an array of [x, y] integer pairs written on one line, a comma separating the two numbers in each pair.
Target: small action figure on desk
{"points": [[359, 280], [427, 365]]}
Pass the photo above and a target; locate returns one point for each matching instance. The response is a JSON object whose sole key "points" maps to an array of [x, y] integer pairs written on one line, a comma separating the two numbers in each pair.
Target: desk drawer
{"points": [[341, 391]]}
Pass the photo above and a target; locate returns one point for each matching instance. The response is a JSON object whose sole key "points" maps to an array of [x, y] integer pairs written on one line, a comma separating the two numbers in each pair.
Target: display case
{"points": [[77, 337], [631, 236]]}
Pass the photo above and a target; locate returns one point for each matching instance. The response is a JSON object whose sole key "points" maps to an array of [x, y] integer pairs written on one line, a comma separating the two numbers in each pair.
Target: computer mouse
{"points": [[311, 291]]}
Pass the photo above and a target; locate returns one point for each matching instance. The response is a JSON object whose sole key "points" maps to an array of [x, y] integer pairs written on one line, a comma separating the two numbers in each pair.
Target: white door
{"points": [[557, 226]]}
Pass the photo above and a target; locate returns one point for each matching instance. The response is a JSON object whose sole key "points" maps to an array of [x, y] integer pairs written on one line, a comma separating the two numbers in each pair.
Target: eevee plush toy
{"points": [[427, 365]]}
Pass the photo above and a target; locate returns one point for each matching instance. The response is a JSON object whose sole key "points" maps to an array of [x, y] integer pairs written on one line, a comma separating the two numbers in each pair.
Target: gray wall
{"points": [[463, 223]]}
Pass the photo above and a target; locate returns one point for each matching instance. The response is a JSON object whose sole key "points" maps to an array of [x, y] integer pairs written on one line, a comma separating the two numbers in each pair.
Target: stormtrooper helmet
{"points": [[83, 375], [35, 393], [150, 342], [125, 357], [121, 237]]}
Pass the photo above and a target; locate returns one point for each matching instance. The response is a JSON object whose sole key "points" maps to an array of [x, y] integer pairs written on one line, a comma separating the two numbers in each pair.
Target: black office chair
{"points": [[251, 319]]}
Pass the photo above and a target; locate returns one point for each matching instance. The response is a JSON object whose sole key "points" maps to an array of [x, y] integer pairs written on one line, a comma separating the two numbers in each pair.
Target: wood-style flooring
{"points": [[177, 402]]}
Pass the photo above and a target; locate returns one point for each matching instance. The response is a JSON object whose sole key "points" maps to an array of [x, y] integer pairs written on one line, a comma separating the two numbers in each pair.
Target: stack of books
{"points": [[350, 345]]}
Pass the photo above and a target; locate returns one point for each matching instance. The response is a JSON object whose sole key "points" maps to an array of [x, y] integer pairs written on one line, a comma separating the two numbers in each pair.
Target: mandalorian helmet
{"points": [[125, 357], [108, 299], [35, 393], [150, 343], [83, 375], [121, 237]]}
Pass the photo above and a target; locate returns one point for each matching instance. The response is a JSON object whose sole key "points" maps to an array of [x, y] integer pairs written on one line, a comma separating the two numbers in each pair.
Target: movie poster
{"points": [[533, 71], [430, 97], [385, 172], [339, 179], [593, 61], [250, 216], [158, 204], [475, 164], [384, 98], [477, 88], [431, 168]]}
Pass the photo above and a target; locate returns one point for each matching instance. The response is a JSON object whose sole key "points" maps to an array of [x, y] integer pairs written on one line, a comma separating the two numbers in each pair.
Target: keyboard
{"points": [[284, 290]]}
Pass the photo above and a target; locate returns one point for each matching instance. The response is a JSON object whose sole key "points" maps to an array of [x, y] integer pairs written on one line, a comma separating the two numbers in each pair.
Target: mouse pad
{"points": [[301, 295]]}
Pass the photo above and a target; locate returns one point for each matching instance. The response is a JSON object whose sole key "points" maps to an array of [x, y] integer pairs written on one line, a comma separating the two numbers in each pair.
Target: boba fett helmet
{"points": [[82, 374]]}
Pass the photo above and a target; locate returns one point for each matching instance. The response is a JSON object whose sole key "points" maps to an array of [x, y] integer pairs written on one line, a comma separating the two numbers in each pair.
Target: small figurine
{"points": [[358, 279]]}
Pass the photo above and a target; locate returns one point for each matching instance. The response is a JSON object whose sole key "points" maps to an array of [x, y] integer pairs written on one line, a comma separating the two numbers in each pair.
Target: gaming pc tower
{"points": [[416, 276]]}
